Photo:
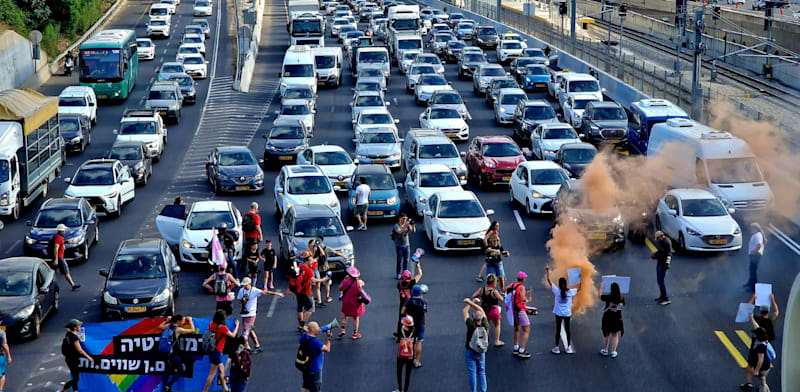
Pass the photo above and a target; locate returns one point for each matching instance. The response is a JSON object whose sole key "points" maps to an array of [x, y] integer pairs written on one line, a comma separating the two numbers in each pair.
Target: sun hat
{"points": [[521, 275], [61, 227], [408, 321], [73, 323], [246, 281], [354, 272]]}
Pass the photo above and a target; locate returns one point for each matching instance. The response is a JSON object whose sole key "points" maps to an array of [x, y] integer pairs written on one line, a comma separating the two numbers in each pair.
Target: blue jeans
{"points": [[661, 274], [237, 384], [175, 371], [754, 260], [403, 253], [476, 370]]}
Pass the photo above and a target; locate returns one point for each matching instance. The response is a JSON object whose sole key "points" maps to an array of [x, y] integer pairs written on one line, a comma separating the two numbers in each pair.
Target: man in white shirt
{"points": [[248, 295], [362, 202], [755, 250]]}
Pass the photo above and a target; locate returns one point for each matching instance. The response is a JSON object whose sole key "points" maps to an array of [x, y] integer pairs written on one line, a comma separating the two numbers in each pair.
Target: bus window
{"points": [[100, 64]]}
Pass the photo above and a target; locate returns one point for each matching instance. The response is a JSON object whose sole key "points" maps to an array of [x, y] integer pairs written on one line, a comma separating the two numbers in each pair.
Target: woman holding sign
{"points": [[612, 318], [562, 308]]}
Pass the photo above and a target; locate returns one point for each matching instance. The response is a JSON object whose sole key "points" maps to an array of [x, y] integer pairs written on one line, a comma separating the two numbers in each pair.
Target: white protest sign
{"points": [[744, 312], [763, 291], [624, 283], [574, 276]]}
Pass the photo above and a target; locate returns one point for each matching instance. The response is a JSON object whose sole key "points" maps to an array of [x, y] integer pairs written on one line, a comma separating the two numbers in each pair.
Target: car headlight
{"points": [[4, 199], [482, 82], [284, 84], [693, 232], [109, 299], [421, 199], [617, 219], [547, 63], [392, 200], [77, 240], [29, 240], [737, 231], [536, 195], [74, 140], [502, 110], [24, 312], [110, 195], [446, 233], [152, 145], [334, 203], [549, 151], [186, 244], [163, 296], [489, 164], [259, 176]]}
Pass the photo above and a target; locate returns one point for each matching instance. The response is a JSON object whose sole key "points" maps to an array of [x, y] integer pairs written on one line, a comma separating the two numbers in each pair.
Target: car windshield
{"points": [[162, 94], [609, 114], [512, 45], [126, 152], [201, 4], [298, 71], [474, 58], [581, 103], [456, 45], [460, 209], [310, 185], [307, 26], [72, 101], [379, 182], [733, 170], [378, 137], [443, 38], [443, 113], [194, 60], [492, 71], [69, 125], [428, 60], [410, 56], [438, 180], [317, 227], [435, 151], [579, 155], [487, 31], [298, 93], [325, 62], [521, 63], [51, 218], [369, 100], [183, 81], [373, 57], [503, 83], [548, 177], [559, 133], [405, 24], [447, 99], [99, 176], [172, 68], [533, 53], [192, 30], [536, 71], [332, 158], [15, 283], [236, 158], [295, 109], [410, 44], [375, 118], [543, 112], [137, 128], [130, 267], [368, 86], [702, 207], [344, 29], [353, 34], [286, 132], [370, 73], [579, 86], [158, 22], [421, 70], [207, 220], [497, 150], [512, 99], [192, 40], [340, 22], [432, 80], [159, 11]]}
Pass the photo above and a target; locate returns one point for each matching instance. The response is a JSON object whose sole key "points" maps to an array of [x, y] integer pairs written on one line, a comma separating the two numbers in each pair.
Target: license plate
{"points": [[135, 309], [374, 212], [331, 266], [102, 96], [204, 254], [378, 161], [597, 236], [341, 183], [242, 188], [541, 84], [94, 208], [718, 242], [507, 178], [163, 113], [451, 135], [465, 242], [285, 157]]}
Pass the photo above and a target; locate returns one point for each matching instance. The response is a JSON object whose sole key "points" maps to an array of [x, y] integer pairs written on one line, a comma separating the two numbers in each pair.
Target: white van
{"points": [[298, 67], [578, 83], [404, 43], [328, 63], [160, 11], [706, 158], [78, 100]]}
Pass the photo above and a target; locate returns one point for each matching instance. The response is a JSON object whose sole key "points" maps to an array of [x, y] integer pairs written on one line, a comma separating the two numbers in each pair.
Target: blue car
{"points": [[535, 77], [233, 169], [384, 199]]}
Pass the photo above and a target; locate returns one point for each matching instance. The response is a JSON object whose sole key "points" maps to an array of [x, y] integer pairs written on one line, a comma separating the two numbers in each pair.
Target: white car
{"points": [[426, 179], [171, 4], [299, 110], [455, 220], [198, 40], [698, 221], [196, 66], [371, 118], [334, 161], [534, 185], [427, 84], [366, 100], [304, 184], [407, 59], [554, 82], [546, 139], [192, 235], [158, 27], [185, 50], [337, 24], [575, 105], [201, 8], [514, 37], [106, 183], [432, 60], [508, 50], [145, 49], [415, 71], [447, 120], [78, 100]]}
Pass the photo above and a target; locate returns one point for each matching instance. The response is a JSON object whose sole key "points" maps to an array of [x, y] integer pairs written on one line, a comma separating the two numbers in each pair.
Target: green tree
{"points": [[14, 16], [38, 11]]}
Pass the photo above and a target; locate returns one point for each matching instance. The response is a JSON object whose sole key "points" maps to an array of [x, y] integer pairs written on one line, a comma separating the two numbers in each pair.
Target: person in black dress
{"points": [[612, 325]]}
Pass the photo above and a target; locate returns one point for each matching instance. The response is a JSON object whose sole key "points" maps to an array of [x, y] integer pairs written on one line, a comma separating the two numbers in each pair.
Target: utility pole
{"points": [[715, 10], [623, 11], [768, 27], [562, 10], [681, 15], [697, 61], [572, 23]]}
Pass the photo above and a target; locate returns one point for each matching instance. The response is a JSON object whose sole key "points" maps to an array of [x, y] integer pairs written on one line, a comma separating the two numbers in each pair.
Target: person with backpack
{"points": [[402, 245], [250, 258], [562, 308], [494, 260], [248, 296], [227, 239], [251, 225], [416, 307], [241, 365], [477, 343], [354, 300], [516, 303], [612, 325], [72, 351], [300, 285], [220, 284], [490, 299], [171, 328], [5, 358], [759, 361], [213, 344], [404, 287], [311, 357], [55, 249], [405, 352]]}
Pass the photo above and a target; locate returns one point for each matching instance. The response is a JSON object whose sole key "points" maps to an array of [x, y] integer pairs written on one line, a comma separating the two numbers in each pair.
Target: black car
{"points": [[82, 229], [233, 169], [285, 140], [28, 294], [530, 114], [575, 157], [141, 282], [602, 230], [187, 85], [485, 36], [468, 63], [605, 123], [453, 50], [134, 155], [76, 130], [497, 84]]}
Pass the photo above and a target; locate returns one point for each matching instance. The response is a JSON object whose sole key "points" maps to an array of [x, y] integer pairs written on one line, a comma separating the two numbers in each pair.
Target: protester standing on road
{"points": [[416, 307], [494, 260], [476, 344], [227, 239], [250, 259], [175, 366], [493, 231], [405, 352], [521, 321], [315, 350], [758, 363], [270, 262], [251, 225], [240, 370], [56, 246], [562, 308], [72, 351], [321, 254], [362, 203], [305, 303], [402, 246], [352, 307], [612, 325], [221, 333], [5, 358], [765, 320], [663, 256], [490, 299], [755, 249], [404, 287], [221, 284], [248, 296]]}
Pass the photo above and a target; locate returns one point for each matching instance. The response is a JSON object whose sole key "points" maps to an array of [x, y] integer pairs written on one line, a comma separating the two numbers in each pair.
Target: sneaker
{"points": [[524, 354], [746, 386], [665, 302], [613, 354], [328, 300], [570, 350], [659, 299], [75, 287], [399, 276], [272, 286], [322, 305], [341, 334], [603, 352], [479, 278], [362, 227], [258, 350], [515, 351], [356, 336], [556, 350]]}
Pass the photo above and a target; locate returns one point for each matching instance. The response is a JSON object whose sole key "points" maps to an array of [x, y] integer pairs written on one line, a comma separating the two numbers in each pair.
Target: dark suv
{"points": [[605, 123], [82, 231], [603, 230], [485, 36]]}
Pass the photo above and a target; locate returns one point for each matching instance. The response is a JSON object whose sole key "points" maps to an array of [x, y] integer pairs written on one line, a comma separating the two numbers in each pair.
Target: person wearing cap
{"points": [[764, 319], [416, 307], [248, 295], [312, 376], [402, 245], [405, 352], [58, 255], [404, 287], [521, 321], [758, 365], [73, 351], [755, 250], [663, 257], [350, 290], [475, 361]]}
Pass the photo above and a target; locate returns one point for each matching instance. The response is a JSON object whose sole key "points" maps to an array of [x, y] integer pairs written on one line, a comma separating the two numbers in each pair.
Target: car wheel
{"points": [[658, 223], [171, 309], [56, 300], [511, 196], [17, 208], [118, 212], [88, 139], [217, 189], [96, 234], [144, 181], [483, 183], [85, 251], [528, 209], [681, 241], [37, 325], [277, 211]]}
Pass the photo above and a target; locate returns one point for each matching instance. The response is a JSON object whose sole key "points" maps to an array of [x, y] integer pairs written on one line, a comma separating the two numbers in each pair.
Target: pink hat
{"points": [[354, 272], [406, 275], [408, 321], [521, 275]]}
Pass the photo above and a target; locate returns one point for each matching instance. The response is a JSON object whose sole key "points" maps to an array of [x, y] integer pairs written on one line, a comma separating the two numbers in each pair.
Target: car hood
{"points": [[590, 217], [555, 144], [319, 198], [431, 89], [337, 171], [297, 117], [535, 123], [453, 163], [136, 288], [13, 304], [463, 225], [187, 89], [334, 242], [239, 171], [711, 225], [158, 103], [576, 169], [508, 108], [610, 123], [547, 190], [488, 37], [44, 234], [130, 162], [285, 143], [194, 66], [488, 79], [89, 190], [460, 107], [744, 191], [449, 123], [505, 162], [378, 149], [138, 138], [70, 135]]}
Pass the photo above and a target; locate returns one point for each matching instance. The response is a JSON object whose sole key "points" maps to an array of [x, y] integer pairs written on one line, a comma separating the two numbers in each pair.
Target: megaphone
{"points": [[334, 324]]}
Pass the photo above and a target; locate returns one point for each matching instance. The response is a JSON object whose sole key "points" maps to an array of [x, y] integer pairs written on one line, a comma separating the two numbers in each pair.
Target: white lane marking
{"points": [[519, 220], [395, 100], [272, 306], [333, 108], [794, 246], [164, 51], [14, 245]]}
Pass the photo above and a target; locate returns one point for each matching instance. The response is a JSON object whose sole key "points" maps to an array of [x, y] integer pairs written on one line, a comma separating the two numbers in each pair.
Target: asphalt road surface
{"points": [[672, 348]]}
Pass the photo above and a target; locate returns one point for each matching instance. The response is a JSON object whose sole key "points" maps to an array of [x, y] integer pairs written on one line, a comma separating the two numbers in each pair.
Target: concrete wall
{"points": [[16, 65]]}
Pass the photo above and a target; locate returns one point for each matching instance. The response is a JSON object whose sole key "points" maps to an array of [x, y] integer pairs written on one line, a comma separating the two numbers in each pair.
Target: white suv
{"points": [[193, 234], [105, 183], [304, 184]]}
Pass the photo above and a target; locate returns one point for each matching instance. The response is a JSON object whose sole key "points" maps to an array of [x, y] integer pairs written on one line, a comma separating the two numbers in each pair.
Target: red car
{"points": [[492, 159]]}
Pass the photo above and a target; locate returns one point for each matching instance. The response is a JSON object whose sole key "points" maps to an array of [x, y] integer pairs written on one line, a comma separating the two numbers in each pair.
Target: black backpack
{"points": [[241, 364], [221, 284], [303, 360], [248, 223]]}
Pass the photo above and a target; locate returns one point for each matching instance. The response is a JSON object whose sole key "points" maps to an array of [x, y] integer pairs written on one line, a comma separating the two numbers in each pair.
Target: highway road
{"points": [[665, 348]]}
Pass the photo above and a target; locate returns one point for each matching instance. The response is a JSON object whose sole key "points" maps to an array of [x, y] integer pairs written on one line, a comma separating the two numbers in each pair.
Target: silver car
{"points": [[373, 74], [300, 91], [484, 75], [407, 59], [297, 109], [432, 60], [450, 99], [371, 118], [439, 42], [506, 104], [378, 145], [415, 72], [367, 100]]}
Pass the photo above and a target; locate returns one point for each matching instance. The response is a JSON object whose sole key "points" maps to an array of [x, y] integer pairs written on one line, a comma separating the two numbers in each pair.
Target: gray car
{"points": [[367, 100], [484, 75], [468, 63], [300, 91], [506, 104], [605, 123], [302, 223], [166, 98], [300, 110], [439, 42], [379, 145], [423, 146], [134, 155], [450, 99]]}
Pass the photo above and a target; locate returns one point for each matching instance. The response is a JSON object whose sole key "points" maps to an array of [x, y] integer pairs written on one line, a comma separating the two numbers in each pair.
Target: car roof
{"points": [[303, 170], [312, 211], [360, 93], [71, 91], [211, 205], [375, 111], [127, 143], [495, 139], [584, 96], [457, 195], [140, 246], [326, 148], [21, 263], [298, 86], [171, 63], [60, 203], [234, 149], [578, 76], [511, 90], [536, 102], [556, 126], [434, 139], [372, 169], [432, 168], [295, 101], [690, 193], [576, 146], [538, 165], [98, 163], [605, 104]]}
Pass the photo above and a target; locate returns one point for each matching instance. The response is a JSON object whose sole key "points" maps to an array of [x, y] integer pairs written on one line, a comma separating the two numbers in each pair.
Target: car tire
{"points": [[171, 309], [681, 242], [37, 325], [88, 139], [17, 208], [85, 251], [511, 197], [528, 210], [217, 189], [658, 223], [483, 183], [118, 212]]}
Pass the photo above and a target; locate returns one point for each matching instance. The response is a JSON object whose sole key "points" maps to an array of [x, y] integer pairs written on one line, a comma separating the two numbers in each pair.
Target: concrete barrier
{"points": [[16, 64], [247, 68]]}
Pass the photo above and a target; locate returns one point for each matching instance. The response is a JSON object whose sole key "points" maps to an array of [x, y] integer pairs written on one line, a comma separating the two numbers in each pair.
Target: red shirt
{"points": [[519, 300], [59, 240], [304, 279], [221, 333], [257, 221]]}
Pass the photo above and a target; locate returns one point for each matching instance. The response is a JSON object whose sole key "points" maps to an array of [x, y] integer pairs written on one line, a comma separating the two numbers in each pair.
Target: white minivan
{"points": [[78, 100], [328, 62], [160, 11], [717, 161], [298, 67]]}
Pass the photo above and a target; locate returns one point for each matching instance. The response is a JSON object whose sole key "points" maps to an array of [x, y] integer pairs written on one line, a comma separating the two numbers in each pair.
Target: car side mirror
{"points": [[428, 213], [103, 272], [44, 290], [260, 161], [580, 135], [463, 182], [603, 90], [672, 212], [349, 228], [115, 132], [463, 153], [265, 136], [350, 104], [176, 269], [67, 180], [400, 185], [353, 121], [279, 190], [28, 223], [401, 140], [387, 103], [489, 212], [336, 188], [731, 210]]}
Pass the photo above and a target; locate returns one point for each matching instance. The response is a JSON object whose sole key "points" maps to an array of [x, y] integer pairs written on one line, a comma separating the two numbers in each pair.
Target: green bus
{"points": [[109, 63]]}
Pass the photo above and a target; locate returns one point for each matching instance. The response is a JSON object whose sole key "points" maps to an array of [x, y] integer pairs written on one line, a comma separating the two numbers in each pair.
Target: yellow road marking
{"points": [[650, 245], [731, 349], [744, 337]]}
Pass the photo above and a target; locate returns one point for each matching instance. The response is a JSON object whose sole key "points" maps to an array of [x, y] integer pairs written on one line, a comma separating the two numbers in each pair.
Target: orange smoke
{"points": [[568, 249]]}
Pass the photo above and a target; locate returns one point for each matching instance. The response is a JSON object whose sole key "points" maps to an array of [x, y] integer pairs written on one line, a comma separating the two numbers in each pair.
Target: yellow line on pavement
{"points": [[744, 337], [732, 350], [650, 245]]}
